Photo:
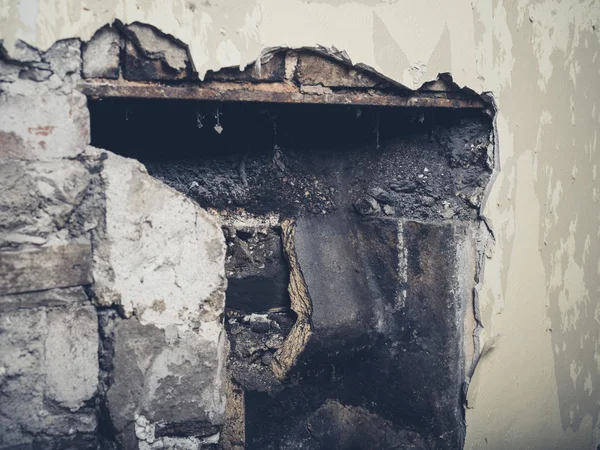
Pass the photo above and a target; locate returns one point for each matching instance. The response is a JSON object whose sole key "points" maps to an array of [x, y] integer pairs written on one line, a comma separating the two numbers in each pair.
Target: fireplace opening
{"points": [[350, 258]]}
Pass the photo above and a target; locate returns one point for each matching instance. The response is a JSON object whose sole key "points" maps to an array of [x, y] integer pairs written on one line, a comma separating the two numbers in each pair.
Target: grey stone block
{"points": [[39, 199], [48, 370], [43, 116], [64, 58], [71, 363], [52, 298], [39, 123], [165, 384]]}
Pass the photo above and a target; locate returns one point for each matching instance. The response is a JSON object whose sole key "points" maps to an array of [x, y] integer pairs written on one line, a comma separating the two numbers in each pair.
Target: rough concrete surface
{"points": [[101, 54], [162, 384], [167, 359], [165, 272], [39, 199]]}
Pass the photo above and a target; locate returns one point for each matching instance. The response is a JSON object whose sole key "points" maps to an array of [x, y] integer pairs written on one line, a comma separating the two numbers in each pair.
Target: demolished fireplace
{"points": [[367, 214], [350, 210]]}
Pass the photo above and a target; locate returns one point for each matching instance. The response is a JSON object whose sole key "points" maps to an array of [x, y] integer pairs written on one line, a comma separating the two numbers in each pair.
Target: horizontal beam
{"points": [[276, 93]]}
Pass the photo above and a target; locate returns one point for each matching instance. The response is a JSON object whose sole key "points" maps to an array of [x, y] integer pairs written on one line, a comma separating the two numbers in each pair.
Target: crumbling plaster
{"points": [[536, 387]]}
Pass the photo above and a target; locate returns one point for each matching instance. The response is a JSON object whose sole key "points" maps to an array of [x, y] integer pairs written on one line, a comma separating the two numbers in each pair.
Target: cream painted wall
{"points": [[540, 298]]}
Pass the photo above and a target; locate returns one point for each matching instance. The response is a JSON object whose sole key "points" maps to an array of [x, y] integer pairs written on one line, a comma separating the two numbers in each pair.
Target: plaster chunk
{"points": [[156, 45], [72, 356], [162, 256], [101, 54]]}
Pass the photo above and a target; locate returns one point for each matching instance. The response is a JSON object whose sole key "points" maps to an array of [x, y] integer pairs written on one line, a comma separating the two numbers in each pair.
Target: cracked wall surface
{"points": [[536, 386]]}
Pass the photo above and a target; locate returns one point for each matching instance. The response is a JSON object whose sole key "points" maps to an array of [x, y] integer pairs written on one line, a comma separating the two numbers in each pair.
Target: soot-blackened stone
{"points": [[387, 341]]}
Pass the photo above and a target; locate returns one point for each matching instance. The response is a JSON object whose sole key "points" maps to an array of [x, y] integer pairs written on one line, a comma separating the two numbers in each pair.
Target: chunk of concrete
{"points": [[166, 253], [153, 55], [64, 58], [101, 54], [314, 69], [39, 199]]}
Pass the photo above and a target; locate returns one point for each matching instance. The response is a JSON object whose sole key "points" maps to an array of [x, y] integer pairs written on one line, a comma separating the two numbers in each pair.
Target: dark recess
{"points": [[373, 375]]}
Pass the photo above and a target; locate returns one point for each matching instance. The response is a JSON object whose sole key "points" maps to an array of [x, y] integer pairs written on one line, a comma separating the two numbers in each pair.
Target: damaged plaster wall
{"points": [[535, 386]]}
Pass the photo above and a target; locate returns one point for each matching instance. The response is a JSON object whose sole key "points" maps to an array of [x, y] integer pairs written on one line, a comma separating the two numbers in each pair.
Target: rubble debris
{"points": [[254, 339], [256, 270]]}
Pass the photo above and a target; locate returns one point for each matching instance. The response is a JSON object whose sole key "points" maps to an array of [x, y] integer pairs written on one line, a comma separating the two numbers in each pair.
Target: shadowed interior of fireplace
{"points": [[350, 259]]}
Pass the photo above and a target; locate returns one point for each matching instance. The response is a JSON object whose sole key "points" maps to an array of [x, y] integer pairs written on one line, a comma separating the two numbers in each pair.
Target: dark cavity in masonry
{"points": [[350, 259]]}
